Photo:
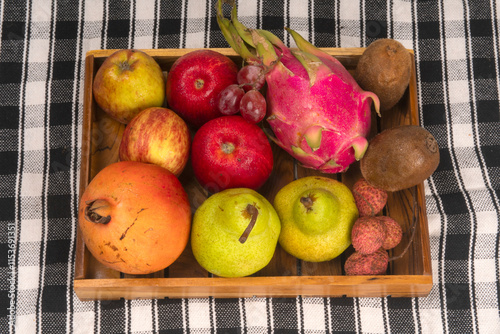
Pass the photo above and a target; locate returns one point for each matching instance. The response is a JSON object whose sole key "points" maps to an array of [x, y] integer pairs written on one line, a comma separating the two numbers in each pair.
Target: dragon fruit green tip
{"points": [[316, 110]]}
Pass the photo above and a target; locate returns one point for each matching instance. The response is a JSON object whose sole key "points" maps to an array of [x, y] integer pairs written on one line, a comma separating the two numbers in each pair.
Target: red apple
{"points": [[194, 83], [158, 136], [230, 152], [127, 82], [135, 217]]}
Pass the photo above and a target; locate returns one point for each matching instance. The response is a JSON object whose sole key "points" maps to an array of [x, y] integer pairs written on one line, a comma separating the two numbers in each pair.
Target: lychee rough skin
{"points": [[369, 199], [370, 264], [368, 234], [394, 232]]}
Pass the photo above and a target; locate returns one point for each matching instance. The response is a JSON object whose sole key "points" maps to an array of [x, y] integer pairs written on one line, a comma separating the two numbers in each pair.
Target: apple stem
{"points": [[125, 66], [96, 211], [252, 210], [227, 148], [199, 83]]}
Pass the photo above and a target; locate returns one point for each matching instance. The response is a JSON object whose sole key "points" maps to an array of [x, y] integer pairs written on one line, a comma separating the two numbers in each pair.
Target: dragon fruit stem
{"points": [[236, 34], [273, 39], [264, 48], [240, 28], [232, 35]]}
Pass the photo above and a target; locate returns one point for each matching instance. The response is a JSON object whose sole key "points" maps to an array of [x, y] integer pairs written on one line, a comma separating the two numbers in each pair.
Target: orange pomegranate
{"points": [[135, 217]]}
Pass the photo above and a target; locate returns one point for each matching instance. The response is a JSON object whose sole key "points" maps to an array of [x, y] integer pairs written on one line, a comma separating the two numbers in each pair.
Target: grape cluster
{"points": [[245, 96]]}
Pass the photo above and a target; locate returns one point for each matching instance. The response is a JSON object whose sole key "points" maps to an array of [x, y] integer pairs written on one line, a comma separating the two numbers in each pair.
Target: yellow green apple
{"points": [[127, 82]]}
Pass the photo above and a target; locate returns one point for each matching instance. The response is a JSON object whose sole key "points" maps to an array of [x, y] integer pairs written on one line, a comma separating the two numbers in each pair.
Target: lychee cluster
{"points": [[371, 237], [369, 199]]}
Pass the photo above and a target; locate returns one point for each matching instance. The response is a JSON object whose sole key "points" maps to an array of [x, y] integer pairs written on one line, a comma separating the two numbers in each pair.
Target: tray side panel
{"points": [[81, 256], [290, 286]]}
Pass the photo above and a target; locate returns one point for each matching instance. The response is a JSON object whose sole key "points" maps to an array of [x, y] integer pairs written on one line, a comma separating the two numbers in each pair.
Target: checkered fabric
{"points": [[42, 48]]}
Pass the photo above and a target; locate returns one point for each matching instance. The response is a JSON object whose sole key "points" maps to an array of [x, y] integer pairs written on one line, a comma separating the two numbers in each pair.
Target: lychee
{"points": [[367, 264], [368, 234], [369, 199], [394, 232]]}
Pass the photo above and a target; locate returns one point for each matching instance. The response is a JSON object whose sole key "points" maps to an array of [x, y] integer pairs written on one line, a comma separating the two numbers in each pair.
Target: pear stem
{"points": [[92, 211], [253, 212]]}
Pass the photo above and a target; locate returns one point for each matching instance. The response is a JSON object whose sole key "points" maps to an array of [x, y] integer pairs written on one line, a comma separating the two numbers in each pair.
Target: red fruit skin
{"points": [[368, 234], [369, 199], [150, 217], [394, 232], [194, 83], [230, 152], [158, 136], [369, 264]]}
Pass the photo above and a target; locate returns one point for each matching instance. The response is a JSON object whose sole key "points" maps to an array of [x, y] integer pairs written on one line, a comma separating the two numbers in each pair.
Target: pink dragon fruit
{"points": [[316, 110]]}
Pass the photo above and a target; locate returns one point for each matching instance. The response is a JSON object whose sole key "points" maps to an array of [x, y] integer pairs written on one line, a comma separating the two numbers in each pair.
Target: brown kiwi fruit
{"points": [[400, 157], [384, 68]]}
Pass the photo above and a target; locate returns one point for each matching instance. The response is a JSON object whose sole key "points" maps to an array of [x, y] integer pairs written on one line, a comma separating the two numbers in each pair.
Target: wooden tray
{"points": [[285, 276]]}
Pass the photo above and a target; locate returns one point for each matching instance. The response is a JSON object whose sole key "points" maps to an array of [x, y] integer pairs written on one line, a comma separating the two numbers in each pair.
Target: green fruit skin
{"points": [[219, 223], [322, 233]]}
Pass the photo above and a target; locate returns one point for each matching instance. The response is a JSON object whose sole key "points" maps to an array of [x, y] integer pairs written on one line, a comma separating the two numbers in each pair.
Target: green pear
{"points": [[317, 215], [235, 232]]}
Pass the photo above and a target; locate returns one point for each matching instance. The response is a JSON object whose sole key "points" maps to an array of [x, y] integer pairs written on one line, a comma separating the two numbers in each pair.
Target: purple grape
{"points": [[229, 99], [252, 77], [253, 106]]}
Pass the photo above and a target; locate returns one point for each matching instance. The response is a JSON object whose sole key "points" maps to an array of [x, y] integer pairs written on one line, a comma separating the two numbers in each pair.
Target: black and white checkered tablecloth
{"points": [[42, 49]]}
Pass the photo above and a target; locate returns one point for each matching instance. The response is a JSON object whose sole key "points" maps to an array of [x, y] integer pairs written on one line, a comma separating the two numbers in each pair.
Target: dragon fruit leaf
{"points": [[327, 59], [364, 96], [306, 46], [331, 166], [306, 160], [269, 133], [285, 55], [313, 65], [299, 152], [295, 151], [313, 137], [360, 145], [291, 63]]}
